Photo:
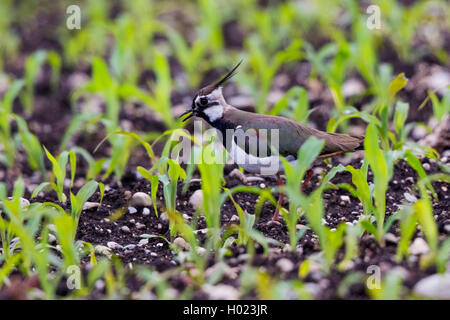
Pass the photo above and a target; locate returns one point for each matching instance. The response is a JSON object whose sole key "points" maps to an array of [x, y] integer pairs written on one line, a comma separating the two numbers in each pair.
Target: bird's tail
{"points": [[335, 142]]}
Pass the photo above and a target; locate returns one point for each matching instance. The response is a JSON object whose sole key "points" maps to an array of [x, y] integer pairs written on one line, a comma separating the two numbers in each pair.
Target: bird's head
{"points": [[209, 102]]}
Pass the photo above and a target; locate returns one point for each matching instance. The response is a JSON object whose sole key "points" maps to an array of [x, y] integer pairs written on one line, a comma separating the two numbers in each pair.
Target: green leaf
{"points": [[73, 166], [101, 187], [396, 85], [39, 188], [370, 228], [417, 166], [82, 196], [154, 182]]}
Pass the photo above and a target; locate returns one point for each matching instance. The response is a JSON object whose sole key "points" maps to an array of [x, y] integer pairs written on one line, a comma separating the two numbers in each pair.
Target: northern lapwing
{"points": [[210, 105]]}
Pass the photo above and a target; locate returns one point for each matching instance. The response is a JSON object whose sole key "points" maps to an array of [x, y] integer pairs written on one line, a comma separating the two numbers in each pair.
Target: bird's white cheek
{"points": [[214, 113]]}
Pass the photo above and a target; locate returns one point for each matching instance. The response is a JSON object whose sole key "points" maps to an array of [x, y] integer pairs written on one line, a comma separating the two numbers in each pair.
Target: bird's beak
{"points": [[190, 112]]}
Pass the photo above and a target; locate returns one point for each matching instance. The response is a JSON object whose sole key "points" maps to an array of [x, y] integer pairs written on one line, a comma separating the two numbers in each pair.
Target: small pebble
{"points": [[181, 243], [140, 226], [129, 246], [345, 198], [51, 238], [201, 251], [143, 242], [262, 185], [201, 231], [132, 210], [426, 166], [436, 286], [127, 195], [389, 237], [234, 218], [164, 217], [285, 265], [145, 211], [99, 249], [90, 205], [125, 229], [419, 246], [409, 197], [196, 199], [141, 199], [114, 245], [221, 292]]}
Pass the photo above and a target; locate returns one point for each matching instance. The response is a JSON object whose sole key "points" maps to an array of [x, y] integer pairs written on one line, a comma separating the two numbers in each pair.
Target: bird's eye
{"points": [[203, 101]]}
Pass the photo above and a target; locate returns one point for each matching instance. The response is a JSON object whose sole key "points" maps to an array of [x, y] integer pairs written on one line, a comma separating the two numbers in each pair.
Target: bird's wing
{"points": [[289, 134]]}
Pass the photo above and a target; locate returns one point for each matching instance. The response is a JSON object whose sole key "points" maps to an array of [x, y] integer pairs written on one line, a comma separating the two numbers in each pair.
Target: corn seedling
{"points": [[264, 69], [6, 139], [33, 64], [59, 174]]}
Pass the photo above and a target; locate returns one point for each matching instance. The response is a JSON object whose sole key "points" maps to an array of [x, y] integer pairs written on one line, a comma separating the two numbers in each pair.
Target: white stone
{"points": [[201, 231], [436, 286], [409, 197], [389, 237], [143, 242], [201, 251], [22, 202], [181, 243], [130, 246], [132, 210], [141, 199], [352, 87], [125, 229], [99, 249], [221, 267], [140, 226], [51, 238], [114, 245], [426, 166], [221, 292], [345, 198], [164, 217], [90, 205], [196, 199], [285, 265], [234, 218], [419, 246], [145, 211]]}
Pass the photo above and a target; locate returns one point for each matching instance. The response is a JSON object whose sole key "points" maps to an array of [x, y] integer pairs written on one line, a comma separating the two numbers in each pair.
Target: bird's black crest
{"points": [[208, 89]]}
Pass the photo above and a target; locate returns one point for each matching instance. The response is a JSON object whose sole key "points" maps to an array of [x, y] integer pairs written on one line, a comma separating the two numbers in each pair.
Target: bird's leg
{"points": [[309, 175], [280, 200]]}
